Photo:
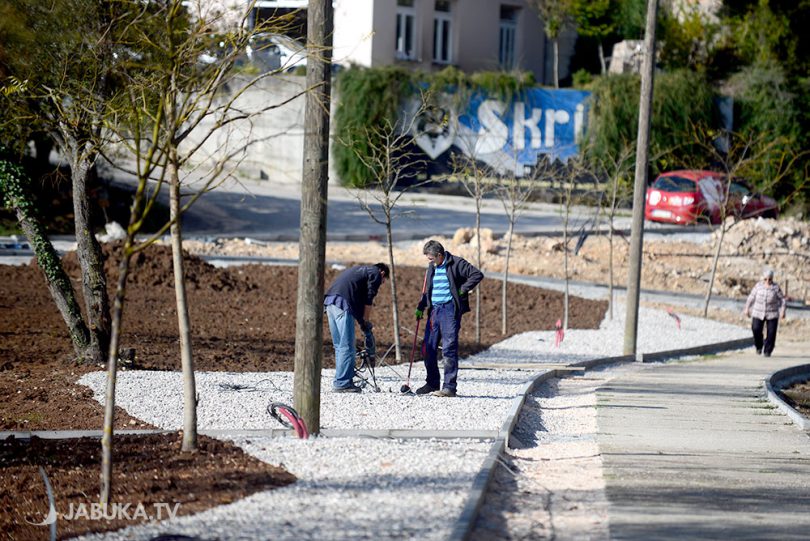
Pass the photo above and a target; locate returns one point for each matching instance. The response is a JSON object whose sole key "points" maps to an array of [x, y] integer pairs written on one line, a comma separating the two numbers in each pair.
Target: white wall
{"points": [[278, 151], [354, 27], [475, 28]]}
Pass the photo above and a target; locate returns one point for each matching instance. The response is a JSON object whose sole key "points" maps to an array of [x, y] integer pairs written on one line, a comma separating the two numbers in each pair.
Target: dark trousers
{"points": [[443, 324], [757, 325]]}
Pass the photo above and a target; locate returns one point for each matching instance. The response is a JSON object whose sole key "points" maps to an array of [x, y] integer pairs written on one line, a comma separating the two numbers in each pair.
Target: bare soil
{"points": [[148, 470], [243, 319]]}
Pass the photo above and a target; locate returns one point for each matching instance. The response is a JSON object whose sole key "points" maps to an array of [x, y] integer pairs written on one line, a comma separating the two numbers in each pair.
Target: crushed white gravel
{"points": [[363, 488]]}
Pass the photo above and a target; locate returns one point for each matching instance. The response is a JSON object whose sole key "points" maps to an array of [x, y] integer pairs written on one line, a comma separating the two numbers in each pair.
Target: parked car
{"points": [[276, 52], [696, 196], [685, 197], [746, 203]]}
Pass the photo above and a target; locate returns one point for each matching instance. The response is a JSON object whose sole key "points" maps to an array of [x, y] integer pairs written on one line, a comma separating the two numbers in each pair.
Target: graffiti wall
{"points": [[509, 137]]}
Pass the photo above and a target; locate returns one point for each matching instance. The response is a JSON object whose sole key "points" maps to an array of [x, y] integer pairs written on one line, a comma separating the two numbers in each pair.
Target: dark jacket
{"points": [[357, 286], [462, 276]]}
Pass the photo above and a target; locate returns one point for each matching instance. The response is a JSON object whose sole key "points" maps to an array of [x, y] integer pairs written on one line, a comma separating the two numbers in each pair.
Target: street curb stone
{"points": [[785, 378]]}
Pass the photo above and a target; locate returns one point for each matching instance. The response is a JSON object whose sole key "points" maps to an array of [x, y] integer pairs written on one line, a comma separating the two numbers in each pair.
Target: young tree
{"points": [[742, 154], [385, 150], [556, 16], [175, 105], [477, 179], [615, 170], [569, 174], [514, 193], [15, 186]]}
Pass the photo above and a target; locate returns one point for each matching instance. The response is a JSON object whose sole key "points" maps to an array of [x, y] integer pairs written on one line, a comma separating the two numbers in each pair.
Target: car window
{"points": [[739, 189], [674, 184]]}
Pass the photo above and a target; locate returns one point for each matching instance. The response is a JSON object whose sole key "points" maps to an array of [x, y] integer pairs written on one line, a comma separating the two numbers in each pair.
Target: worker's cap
{"points": [[767, 273]]}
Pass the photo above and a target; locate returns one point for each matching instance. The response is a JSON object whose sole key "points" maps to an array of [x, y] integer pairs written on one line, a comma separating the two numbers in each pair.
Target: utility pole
{"points": [[312, 241], [640, 187]]}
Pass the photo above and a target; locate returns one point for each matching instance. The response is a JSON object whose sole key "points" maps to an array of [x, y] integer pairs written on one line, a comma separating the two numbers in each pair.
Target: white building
{"points": [[472, 35]]}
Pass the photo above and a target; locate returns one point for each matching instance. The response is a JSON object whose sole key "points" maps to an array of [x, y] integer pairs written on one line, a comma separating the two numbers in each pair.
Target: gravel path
{"points": [[359, 488], [550, 485]]}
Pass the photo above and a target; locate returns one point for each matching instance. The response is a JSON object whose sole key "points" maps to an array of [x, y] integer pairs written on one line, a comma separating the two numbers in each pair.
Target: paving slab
{"points": [[694, 450]]}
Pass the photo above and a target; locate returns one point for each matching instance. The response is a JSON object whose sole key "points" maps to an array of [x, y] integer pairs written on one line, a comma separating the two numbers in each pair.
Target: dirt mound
{"points": [[152, 267], [767, 237]]}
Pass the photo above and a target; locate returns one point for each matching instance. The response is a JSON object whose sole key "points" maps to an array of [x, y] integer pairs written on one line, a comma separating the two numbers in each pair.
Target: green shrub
{"points": [[768, 110], [682, 104]]}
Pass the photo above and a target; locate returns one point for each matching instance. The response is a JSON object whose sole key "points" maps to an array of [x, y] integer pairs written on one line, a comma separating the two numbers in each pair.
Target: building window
{"points": [[406, 30], [442, 36], [506, 44]]}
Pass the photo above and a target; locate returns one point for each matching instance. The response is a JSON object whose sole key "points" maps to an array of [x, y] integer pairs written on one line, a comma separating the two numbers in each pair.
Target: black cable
{"points": [[231, 387]]}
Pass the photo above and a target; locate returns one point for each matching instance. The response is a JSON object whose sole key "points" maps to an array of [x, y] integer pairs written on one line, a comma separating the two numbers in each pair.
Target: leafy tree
{"points": [[630, 17], [758, 92], [368, 97], [688, 38], [64, 57], [594, 19], [761, 35], [556, 16]]}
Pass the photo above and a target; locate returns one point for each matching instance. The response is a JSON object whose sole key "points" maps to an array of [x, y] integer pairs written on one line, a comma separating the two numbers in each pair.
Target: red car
{"points": [[746, 203], [694, 196]]}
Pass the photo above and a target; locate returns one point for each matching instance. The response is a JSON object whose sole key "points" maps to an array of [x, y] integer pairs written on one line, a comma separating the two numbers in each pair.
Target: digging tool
{"points": [[406, 389]]}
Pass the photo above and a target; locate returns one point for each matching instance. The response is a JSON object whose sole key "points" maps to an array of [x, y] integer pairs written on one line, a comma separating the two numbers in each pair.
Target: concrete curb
{"points": [[466, 521], [784, 378], [397, 434], [707, 349]]}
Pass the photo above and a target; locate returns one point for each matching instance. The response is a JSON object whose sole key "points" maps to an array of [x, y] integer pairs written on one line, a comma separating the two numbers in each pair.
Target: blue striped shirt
{"points": [[441, 286]]}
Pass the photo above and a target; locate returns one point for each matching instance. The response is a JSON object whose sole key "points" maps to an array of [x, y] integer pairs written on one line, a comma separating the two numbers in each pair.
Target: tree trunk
{"points": [[713, 272], [555, 44], [48, 260], [565, 261], [506, 277], [112, 371], [610, 245], [478, 262], [312, 244], [183, 320], [91, 260], [602, 62], [393, 279], [610, 269]]}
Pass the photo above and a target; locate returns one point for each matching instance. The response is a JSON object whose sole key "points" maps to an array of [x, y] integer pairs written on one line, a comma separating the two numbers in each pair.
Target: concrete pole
{"points": [[640, 187], [312, 242]]}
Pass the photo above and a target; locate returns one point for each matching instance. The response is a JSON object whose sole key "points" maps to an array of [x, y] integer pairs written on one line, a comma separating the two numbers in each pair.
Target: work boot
{"points": [[426, 389], [446, 393], [348, 389]]}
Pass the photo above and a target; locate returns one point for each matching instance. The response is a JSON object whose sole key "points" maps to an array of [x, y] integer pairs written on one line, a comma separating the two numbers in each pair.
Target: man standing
{"points": [[449, 281], [350, 299]]}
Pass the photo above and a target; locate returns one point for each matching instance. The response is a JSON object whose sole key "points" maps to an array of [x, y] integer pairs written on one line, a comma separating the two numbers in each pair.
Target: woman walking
{"points": [[765, 305]]}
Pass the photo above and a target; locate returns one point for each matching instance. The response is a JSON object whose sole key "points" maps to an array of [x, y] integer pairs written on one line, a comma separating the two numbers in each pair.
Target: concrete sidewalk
{"points": [[693, 450]]}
